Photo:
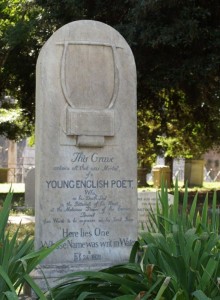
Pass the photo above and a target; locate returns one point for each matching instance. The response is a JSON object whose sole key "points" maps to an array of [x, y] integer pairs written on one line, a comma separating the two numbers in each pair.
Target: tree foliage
{"points": [[177, 55], [176, 47], [19, 47]]}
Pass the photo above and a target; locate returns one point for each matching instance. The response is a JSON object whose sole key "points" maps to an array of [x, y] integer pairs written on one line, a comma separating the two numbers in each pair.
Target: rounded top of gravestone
{"points": [[88, 54], [87, 31]]}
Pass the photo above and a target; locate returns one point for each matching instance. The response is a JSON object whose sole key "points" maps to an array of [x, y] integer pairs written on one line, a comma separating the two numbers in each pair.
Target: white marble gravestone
{"points": [[86, 185]]}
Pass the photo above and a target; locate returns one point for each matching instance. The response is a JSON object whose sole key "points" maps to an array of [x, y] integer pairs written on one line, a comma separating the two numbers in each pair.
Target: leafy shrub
{"points": [[17, 258], [122, 282], [179, 259], [184, 245], [181, 246]]}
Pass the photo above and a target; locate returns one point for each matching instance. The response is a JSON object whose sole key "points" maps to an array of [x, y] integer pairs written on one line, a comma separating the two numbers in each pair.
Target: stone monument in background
{"points": [[86, 182], [30, 189]]}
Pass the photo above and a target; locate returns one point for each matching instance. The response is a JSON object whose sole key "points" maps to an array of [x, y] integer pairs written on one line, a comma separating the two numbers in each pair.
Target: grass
{"points": [[211, 185], [16, 188], [21, 211], [207, 186], [25, 229]]}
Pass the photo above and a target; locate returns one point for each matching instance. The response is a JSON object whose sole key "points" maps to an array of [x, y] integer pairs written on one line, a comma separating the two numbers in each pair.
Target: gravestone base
{"points": [[48, 276]]}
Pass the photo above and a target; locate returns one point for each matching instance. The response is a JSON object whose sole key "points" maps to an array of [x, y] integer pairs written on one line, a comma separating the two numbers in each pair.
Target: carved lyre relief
{"points": [[90, 82]]}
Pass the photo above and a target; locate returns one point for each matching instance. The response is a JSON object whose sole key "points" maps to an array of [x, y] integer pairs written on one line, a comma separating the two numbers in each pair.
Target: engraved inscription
{"points": [[89, 204]]}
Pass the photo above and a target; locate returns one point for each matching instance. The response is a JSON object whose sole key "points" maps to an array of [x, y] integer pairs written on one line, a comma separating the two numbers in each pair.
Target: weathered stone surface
{"points": [[86, 186]]}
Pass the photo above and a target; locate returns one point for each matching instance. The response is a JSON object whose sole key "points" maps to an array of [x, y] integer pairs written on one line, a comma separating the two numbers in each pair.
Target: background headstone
{"points": [[147, 201], [12, 161], [86, 185], [30, 189]]}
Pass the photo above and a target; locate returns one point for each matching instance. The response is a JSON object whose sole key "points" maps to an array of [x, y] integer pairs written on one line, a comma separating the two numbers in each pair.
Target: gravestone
{"points": [[12, 161], [86, 182], [147, 201], [30, 189]]}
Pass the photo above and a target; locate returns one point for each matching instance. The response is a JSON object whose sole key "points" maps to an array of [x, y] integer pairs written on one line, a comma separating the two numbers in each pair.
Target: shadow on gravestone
{"points": [[86, 168]]}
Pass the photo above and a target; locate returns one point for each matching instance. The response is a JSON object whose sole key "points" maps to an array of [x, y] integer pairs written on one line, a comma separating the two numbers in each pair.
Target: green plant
{"points": [[131, 281], [184, 245], [180, 213], [17, 258]]}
